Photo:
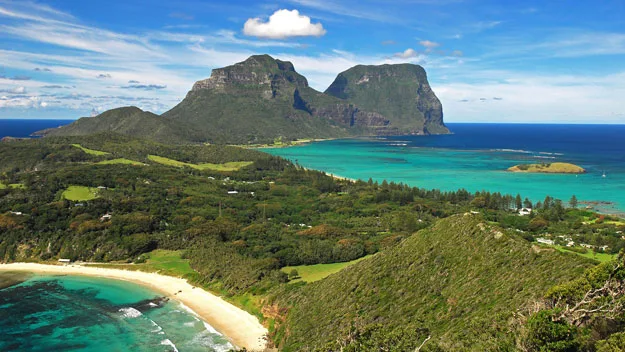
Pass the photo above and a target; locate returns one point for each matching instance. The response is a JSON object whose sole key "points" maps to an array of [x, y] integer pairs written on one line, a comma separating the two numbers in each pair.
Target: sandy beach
{"points": [[240, 327]]}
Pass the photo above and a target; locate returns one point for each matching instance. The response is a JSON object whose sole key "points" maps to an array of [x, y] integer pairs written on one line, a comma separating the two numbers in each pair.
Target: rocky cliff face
{"points": [[262, 72], [401, 93], [261, 98]]}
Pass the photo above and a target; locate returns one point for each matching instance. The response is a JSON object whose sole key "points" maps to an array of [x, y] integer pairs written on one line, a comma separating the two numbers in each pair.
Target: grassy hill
{"points": [[550, 168], [459, 282]]}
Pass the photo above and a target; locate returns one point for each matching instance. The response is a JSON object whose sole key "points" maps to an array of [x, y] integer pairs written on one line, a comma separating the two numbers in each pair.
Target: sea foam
{"points": [[130, 312], [167, 342]]}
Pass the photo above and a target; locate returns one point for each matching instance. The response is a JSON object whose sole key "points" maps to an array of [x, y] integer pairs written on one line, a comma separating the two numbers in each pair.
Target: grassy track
{"points": [[80, 193], [120, 161], [90, 151], [602, 257], [229, 166], [12, 185], [311, 273]]}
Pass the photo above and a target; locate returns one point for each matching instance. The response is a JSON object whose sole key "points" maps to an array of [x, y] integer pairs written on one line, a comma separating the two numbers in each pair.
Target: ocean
{"points": [[25, 127], [476, 157], [75, 313]]}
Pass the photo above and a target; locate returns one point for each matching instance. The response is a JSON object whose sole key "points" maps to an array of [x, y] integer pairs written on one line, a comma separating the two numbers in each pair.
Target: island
{"points": [[549, 168]]}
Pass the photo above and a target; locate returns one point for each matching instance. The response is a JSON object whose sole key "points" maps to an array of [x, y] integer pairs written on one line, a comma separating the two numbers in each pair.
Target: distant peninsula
{"points": [[549, 168]]}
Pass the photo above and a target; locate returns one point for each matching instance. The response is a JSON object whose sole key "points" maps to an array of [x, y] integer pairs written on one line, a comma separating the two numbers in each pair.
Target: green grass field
{"points": [[12, 185], [602, 257], [80, 193], [311, 273], [230, 166], [90, 151], [120, 161]]}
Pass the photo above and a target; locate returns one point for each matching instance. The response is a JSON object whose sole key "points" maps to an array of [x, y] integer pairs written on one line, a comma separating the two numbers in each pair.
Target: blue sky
{"points": [[488, 61]]}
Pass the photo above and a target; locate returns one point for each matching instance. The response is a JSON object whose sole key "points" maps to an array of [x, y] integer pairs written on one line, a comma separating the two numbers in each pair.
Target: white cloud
{"points": [[533, 99], [406, 54], [283, 24], [429, 44]]}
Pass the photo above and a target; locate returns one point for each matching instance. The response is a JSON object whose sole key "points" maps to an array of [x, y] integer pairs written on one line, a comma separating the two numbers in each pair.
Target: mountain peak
{"points": [[400, 92], [257, 70]]}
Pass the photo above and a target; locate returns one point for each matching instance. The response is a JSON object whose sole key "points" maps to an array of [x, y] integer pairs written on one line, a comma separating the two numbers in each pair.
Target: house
{"points": [[19, 213], [211, 178], [525, 211], [106, 217], [79, 204], [101, 187], [545, 241], [586, 245], [233, 192], [64, 261], [604, 248]]}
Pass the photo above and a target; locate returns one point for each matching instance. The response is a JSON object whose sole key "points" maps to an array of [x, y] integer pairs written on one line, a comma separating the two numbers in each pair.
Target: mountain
{"points": [[127, 121], [401, 93], [459, 282], [261, 99]]}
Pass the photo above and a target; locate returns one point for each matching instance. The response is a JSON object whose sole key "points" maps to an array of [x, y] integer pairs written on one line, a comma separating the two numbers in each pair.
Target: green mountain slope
{"points": [[401, 93], [249, 102], [459, 282], [130, 121], [261, 99]]}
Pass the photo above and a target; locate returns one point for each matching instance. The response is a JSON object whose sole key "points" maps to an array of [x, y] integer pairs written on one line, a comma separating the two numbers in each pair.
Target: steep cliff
{"points": [[401, 93], [261, 99]]}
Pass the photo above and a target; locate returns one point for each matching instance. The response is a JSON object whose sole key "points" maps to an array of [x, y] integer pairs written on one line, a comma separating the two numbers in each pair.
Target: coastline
{"points": [[238, 326]]}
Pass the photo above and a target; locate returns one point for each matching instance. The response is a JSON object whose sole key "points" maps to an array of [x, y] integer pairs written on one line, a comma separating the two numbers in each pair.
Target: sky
{"points": [[488, 61]]}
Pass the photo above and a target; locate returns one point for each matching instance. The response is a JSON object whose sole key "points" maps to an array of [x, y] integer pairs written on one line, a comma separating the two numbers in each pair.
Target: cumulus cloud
{"points": [[103, 76], [283, 24], [407, 54]]}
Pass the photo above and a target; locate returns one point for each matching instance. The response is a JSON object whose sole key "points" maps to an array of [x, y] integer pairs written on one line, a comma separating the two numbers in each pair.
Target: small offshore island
{"points": [[550, 168]]}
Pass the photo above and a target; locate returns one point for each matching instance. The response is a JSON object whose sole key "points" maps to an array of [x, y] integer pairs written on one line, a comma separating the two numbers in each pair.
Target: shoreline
{"points": [[240, 327]]}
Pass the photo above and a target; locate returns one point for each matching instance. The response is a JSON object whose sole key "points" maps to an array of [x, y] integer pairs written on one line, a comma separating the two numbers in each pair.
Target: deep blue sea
{"points": [[24, 127], [476, 157]]}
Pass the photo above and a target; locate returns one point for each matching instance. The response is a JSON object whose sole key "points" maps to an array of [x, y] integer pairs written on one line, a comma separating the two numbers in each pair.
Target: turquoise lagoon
{"points": [[75, 313], [476, 157]]}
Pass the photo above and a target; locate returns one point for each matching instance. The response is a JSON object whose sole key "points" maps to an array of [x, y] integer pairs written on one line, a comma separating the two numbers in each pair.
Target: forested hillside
{"points": [[239, 216]]}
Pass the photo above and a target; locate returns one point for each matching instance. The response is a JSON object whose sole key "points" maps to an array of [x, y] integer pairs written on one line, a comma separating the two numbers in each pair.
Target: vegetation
{"points": [[229, 166], [462, 282], [312, 273], [90, 151], [399, 92], [120, 161], [550, 168], [590, 254], [457, 282], [263, 99], [80, 193]]}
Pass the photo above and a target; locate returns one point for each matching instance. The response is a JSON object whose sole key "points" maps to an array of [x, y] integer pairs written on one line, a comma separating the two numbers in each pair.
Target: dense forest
{"points": [[106, 198]]}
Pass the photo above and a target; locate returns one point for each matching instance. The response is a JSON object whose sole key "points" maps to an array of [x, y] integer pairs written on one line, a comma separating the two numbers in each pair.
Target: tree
{"points": [[527, 203], [573, 201], [518, 202], [293, 274]]}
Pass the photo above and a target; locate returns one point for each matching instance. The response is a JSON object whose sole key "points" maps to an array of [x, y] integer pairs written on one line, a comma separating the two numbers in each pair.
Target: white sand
{"points": [[240, 327]]}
